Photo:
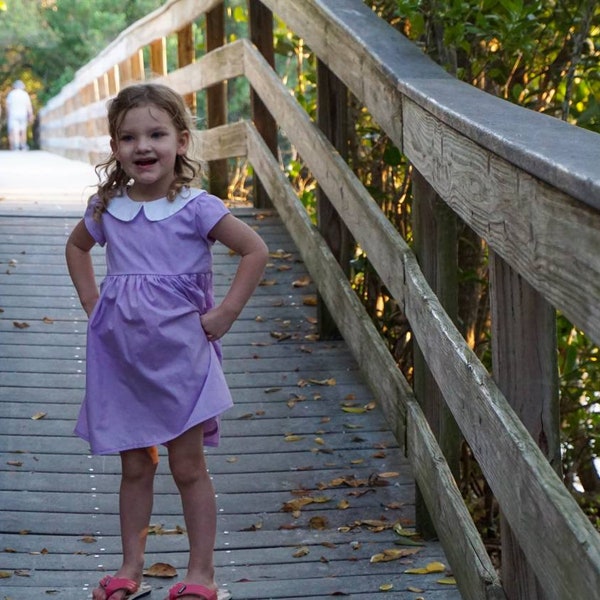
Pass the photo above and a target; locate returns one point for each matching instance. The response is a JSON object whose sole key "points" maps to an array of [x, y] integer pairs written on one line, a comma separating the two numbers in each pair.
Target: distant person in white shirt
{"points": [[19, 113]]}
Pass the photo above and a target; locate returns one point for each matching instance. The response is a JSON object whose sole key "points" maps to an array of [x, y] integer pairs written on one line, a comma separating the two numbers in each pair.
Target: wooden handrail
{"points": [[536, 203]]}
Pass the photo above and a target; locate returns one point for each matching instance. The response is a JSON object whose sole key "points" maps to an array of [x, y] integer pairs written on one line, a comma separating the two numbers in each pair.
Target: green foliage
{"points": [[579, 369], [45, 42], [541, 54]]}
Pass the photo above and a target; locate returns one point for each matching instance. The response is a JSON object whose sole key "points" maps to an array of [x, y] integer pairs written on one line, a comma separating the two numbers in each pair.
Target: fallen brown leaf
{"points": [[393, 554], [302, 282], [161, 570], [302, 551], [318, 523]]}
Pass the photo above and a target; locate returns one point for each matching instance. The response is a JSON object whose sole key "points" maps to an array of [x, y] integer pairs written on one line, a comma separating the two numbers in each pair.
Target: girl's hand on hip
{"points": [[216, 323]]}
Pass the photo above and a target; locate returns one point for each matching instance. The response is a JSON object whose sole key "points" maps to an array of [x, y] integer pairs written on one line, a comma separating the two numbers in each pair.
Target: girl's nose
{"points": [[143, 144]]}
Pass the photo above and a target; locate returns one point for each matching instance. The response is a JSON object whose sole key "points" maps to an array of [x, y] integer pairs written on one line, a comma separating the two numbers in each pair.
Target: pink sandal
{"points": [[111, 585], [198, 591]]}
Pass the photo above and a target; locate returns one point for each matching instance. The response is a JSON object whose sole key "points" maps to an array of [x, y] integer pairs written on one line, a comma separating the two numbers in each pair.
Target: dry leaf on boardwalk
{"points": [[393, 554], [302, 282], [161, 570], [302, 551]]}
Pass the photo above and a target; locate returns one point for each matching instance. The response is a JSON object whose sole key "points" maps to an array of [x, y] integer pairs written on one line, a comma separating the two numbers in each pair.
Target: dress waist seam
{"points": [[193, 274]]}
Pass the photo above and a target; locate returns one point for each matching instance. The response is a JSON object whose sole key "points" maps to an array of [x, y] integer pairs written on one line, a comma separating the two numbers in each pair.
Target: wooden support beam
{"points": [[114, 83], [136, 65], [158, 57], [527, 375], [125, 75], [332, 118], [186, 55], [261, 34], [436, 249], [216, 100]]}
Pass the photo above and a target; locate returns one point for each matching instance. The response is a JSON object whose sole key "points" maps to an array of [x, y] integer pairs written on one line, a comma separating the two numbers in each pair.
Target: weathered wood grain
{"points": [[499, 167], [474, 570], [380, 66], [60, 494], [547, 237], [458, 372]]}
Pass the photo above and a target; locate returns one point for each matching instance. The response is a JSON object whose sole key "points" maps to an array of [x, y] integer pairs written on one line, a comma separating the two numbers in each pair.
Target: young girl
{"points": [[153, 359]]}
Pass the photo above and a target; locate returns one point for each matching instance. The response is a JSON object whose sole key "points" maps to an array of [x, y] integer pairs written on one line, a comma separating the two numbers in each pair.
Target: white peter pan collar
{"points": [[122, 207]]}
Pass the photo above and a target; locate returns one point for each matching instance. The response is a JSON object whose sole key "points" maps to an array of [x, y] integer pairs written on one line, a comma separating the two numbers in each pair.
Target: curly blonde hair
{"points": [[113, 178]]}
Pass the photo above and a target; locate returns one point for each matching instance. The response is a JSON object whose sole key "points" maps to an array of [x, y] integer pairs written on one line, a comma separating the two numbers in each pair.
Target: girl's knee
{"points": [[138, 464], [187, 470]]}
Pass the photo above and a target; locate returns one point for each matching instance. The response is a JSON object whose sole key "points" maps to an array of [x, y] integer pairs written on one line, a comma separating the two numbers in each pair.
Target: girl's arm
{"points": [[243, 240], [79, 262]]}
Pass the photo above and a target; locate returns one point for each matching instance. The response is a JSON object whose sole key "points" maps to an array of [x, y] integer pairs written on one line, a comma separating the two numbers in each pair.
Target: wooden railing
{"points": [[529, 185]]}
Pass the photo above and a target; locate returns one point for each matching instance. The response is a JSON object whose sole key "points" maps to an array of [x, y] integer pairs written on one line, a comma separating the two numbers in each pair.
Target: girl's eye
{"points": [[158, 134], [125, 138]]}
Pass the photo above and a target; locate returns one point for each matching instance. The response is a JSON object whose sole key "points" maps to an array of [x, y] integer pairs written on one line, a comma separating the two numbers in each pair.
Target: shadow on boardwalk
{"points": [[287, 438]]}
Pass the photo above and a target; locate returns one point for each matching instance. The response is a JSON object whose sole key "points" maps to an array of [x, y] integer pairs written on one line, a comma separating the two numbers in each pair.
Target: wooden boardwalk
{"points": [[297, 434]]}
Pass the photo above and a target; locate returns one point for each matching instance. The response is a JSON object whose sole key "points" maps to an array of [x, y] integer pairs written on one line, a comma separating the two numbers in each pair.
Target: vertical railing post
{"points": [[332, 118], [525, 369], [186, 55], [158, 57], [114, 83], [125, 75], [436, 248], [261, 35], [136, 62], [216, 100]]}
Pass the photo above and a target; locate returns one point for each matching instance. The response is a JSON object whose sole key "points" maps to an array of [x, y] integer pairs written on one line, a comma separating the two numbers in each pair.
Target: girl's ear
{"points": [[114, 147], [184, 142]]}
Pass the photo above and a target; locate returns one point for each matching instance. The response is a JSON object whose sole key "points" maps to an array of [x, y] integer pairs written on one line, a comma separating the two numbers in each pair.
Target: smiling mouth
{"points": [[146, 162]]}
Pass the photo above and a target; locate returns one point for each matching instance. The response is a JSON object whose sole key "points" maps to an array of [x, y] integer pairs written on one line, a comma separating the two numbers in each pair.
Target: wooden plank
{"points": [[436, 248], [364, 339], [527, 373], [477, 578], [379, 65], [475, 568], [186, 55], [51, 493], [504, 450], [332, 118], [260, 20], [456, 369], [220, 64], [216, 100], [541, 232]]}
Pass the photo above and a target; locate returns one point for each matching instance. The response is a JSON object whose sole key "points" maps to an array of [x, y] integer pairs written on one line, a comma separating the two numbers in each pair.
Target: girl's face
{"points": [[147, 146]]}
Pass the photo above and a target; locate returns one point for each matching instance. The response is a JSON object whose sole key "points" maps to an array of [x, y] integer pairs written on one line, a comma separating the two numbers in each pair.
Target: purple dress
{"points": [[151, 374]]}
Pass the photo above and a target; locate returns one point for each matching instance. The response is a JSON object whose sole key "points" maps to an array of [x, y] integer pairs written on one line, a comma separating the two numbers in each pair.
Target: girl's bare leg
{"points": [[135, 509], [188, 466]]}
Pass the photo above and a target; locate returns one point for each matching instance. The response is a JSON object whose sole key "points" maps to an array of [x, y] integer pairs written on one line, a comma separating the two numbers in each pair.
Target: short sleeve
{"points": [[209, 211], [95, 228]]}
